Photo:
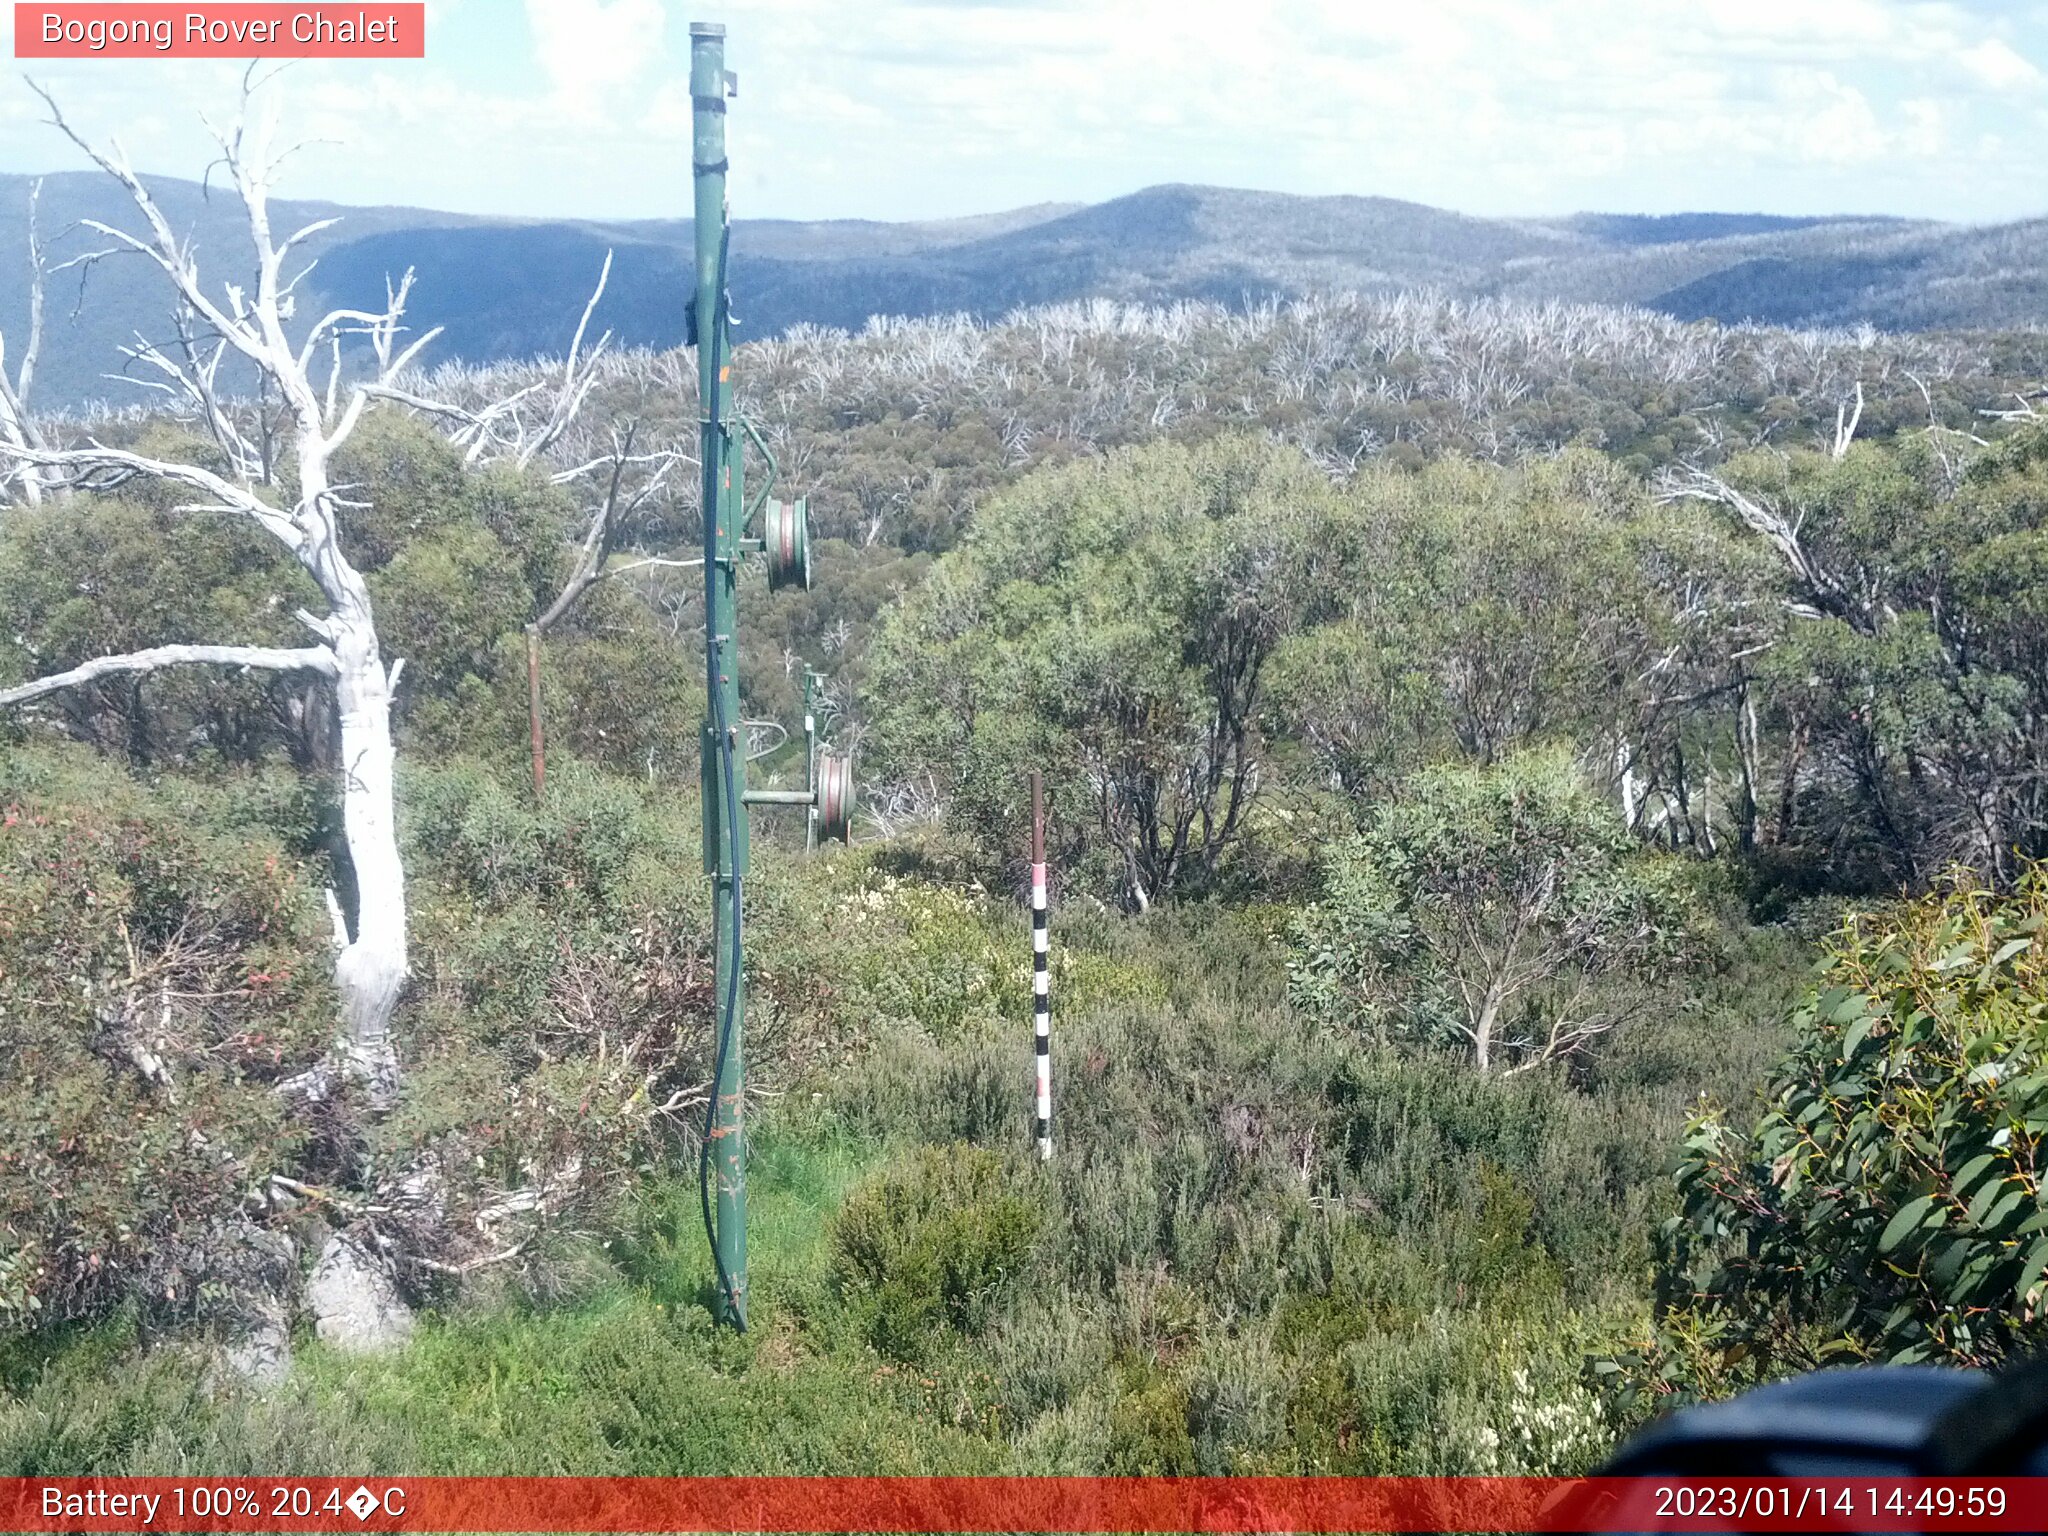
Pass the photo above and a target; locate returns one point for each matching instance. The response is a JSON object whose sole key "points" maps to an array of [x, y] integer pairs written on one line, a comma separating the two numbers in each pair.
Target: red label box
{"points": [[367, 29], [1087, 1506]]}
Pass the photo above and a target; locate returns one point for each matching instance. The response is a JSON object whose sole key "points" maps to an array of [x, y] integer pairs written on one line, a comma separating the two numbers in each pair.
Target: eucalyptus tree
{"points": [[1504, 910], [1916, 658], [1111, 622]]}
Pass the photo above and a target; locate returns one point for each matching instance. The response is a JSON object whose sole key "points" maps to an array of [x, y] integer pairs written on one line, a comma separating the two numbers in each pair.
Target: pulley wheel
{"points": [[835, 798], [786, 533]]}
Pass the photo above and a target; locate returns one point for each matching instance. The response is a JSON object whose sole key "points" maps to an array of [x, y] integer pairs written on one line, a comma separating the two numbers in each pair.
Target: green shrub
{"points": [[1237, 1405], [1148, 1425], [1049, 1353], [1067, 1442], [1886, 1204], [932, 1247], [1502, 910], [157, 977], [559, 1015], [940, 958]]}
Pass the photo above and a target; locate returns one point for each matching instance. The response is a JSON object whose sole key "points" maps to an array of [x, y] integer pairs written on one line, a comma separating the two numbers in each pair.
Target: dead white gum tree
{"points": [[226, 321], [18, 429], [542, 423], [627, 483]]}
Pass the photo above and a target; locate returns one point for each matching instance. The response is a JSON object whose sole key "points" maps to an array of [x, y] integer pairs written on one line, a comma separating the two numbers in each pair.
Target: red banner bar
{"points": [[991, 1504], [378, 29]]}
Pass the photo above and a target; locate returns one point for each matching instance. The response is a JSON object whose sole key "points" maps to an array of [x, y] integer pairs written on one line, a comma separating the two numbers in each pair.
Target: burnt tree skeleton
{"points": [[250, 323], [615, 506], [18, 428]]}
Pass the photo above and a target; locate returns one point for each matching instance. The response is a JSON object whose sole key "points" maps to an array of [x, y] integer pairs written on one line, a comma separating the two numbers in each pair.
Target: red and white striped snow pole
{"points": [[1041, 977]]}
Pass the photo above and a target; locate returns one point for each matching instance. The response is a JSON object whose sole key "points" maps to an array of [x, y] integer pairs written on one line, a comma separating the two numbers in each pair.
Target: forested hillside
{"points": [[1467, 726], [509, 288]]}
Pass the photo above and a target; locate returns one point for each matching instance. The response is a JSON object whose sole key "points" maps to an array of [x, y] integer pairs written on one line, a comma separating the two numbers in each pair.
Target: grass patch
{"points": [[630, 1379]]}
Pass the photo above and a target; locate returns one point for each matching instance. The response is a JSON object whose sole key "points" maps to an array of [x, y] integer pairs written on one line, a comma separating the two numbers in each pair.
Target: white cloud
{"points": [[1994, 62], [1828, 121], [594, 50], [1926, 127], [905, 108]]}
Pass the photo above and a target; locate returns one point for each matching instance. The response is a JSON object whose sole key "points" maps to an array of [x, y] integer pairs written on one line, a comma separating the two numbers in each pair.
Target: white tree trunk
{"points": [[1631, 794], [371, 968], [1482, 1030]]}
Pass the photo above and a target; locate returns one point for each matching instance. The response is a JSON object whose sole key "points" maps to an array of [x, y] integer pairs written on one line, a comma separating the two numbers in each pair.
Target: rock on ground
{"points": [[257, 1270], [262, 1356], [354, 1301]]}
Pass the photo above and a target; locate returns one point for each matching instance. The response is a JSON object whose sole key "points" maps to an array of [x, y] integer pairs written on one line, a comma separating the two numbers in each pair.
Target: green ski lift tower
{"points": [[784, 538]]}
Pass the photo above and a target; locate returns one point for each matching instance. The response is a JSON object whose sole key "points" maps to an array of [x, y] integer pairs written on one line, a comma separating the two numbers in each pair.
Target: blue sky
{"points": [[898, 109]]}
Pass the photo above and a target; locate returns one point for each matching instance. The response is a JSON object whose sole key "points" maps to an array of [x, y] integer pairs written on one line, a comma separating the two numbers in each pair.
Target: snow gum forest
{"points": [[1542, 799]]}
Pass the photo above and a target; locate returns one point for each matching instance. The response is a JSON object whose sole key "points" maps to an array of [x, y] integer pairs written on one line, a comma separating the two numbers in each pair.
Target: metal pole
{"points": [[533, 726], [1041, 977], [724, 771], [780, 797], [811, 758]]}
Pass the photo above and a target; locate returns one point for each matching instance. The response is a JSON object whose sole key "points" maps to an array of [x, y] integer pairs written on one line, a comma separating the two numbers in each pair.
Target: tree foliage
{"points": [[456, 562], [1915, 679], [1503, 909], [1111, 624], [1887, 1203]]}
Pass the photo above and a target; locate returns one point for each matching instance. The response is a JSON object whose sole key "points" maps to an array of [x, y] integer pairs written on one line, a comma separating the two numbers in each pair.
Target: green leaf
{"points": [[1838, 1005], [1906, 1222], [1949, 1262], [1987, 1197], [1971, 1171], [2030, 1271], [1980, 1269], [2003, 1211]]}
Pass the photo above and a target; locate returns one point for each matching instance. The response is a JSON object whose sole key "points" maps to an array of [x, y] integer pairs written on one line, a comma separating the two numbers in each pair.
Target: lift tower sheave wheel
{"points": [[835, 799], [786, 537]]}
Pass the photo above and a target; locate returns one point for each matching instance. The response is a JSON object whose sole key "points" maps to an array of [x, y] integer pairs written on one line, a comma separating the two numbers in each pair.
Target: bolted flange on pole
{"points": [[723, 1159]]}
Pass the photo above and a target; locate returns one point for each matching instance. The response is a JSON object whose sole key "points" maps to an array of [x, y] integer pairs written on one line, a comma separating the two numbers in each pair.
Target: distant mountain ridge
{"points": [[506, 288]]}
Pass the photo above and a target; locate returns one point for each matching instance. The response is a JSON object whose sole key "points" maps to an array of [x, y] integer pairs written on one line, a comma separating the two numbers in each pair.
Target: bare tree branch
{"points": [[17, 426], [575, 387], [1825, 592], [99, 468], [311, 658], [25, 378]]}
